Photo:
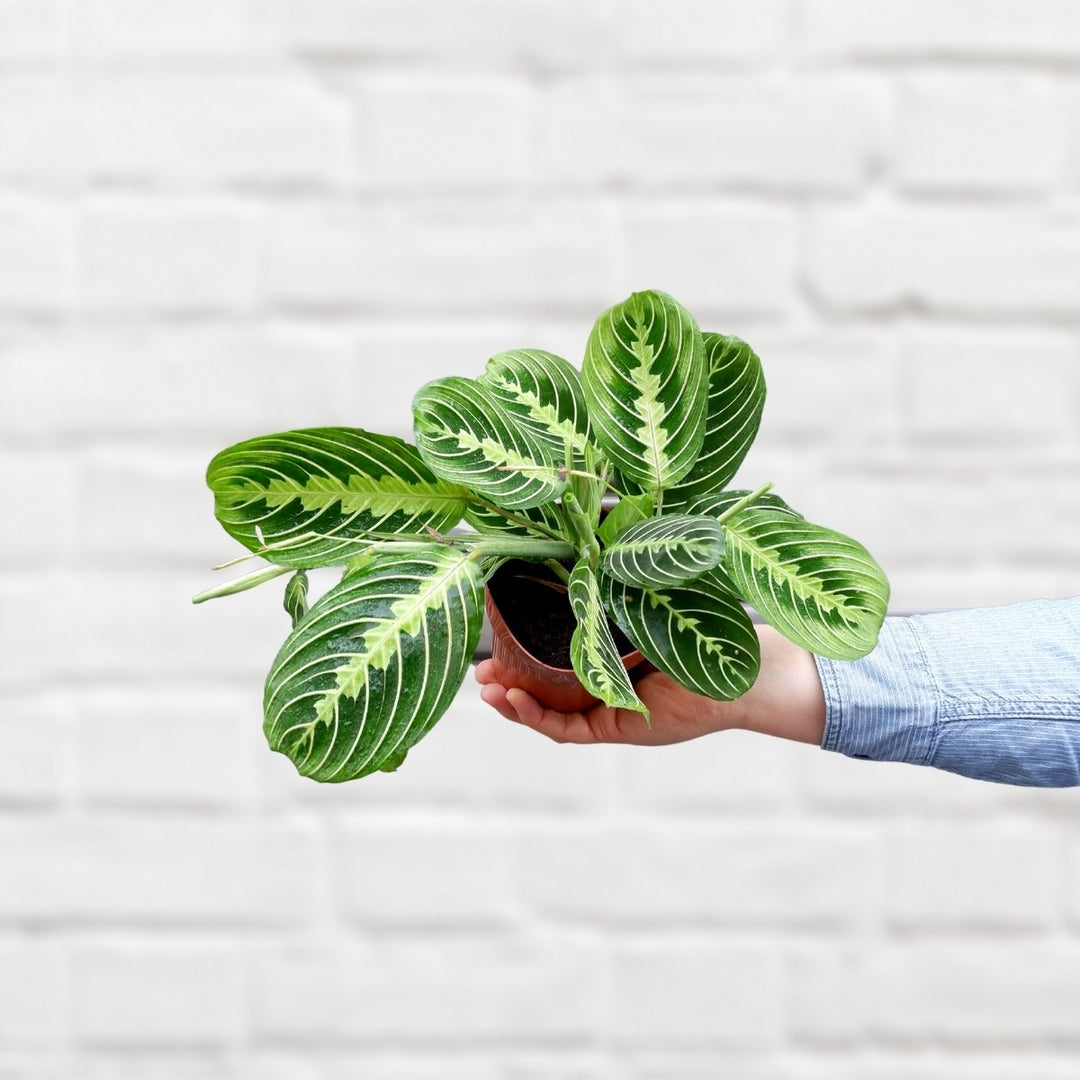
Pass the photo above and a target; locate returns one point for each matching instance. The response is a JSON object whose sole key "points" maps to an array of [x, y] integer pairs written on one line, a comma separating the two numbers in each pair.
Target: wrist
{"points": [[787, 700]]}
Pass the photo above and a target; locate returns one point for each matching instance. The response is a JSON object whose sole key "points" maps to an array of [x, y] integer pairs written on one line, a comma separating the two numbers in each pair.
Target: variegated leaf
{"points": [[593, 651], [645, 386], [626, 512], [735, 400], [307, 498], [669, 550], [717, 505], [698, 633], [467, 437], [543, 391], [375, 663], [721, 503], [545, 518], [819, 588]]}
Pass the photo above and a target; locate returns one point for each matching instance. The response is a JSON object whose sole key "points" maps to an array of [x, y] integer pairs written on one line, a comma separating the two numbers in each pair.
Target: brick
{"points": [[44, 484], [736, 772], [825, 995], [440, 257], [107, 636], [424, 1064], [112, 30], [920, 29], [384, 874], [1073, 884], [147, 994], [35, 768], [696, 994], [705, 874], [37, 268], [817, 134], [977, 385], [950, 133], [210, 386], [694, 30], [168, 257], [968, 1065], [155, 872], [32, 30], [986, 261], [813, 378], [174, 523], [941, 875], [39, 121], [550, 32], [155, 748], [456, 994], [444, 131], [976, 994], [33, 995], [216, 128], [674, 246]]}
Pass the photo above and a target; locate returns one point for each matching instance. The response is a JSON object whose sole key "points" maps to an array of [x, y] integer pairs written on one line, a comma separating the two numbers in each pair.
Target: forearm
{"points": [[992, 694]]}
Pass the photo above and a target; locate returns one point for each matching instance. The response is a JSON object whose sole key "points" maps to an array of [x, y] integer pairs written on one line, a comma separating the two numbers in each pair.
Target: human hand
{"points": [[786, 701]]}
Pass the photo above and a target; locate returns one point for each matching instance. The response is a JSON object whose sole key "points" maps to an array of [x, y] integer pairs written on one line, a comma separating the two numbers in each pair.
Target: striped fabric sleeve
{"points": [[990, 693]]}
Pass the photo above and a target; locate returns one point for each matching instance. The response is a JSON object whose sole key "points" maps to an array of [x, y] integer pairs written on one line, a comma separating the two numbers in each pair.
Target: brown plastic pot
{"points": [[553, 687]]}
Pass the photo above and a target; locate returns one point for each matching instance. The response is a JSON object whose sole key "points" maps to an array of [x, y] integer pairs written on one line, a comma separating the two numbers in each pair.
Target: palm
{"points": [[676, 714]]}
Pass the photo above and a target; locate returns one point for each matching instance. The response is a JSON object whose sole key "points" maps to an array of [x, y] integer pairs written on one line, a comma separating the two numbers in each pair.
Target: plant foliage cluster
{"points": [[516, 464]]}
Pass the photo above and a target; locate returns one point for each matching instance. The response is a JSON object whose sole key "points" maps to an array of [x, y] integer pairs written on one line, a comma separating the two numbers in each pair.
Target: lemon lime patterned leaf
{"points": [[819, 588], [645, 387], [665, 551], [467, 437], [306, 498], [593, 651], [543, 391], [699, 633], [626, 512], [736, 397], [375, 663], [717, 505], [486, 520]]}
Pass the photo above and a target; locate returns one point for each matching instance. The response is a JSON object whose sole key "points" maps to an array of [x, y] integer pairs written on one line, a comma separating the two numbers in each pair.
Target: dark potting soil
{"points": [[535, 606]]}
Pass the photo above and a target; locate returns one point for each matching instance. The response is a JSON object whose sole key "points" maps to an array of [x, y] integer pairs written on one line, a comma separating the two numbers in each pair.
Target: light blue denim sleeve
{"points": [[991, 693]]}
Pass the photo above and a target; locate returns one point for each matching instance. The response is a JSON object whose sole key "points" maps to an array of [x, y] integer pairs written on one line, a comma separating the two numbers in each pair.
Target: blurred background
{"points": [[223, 218]]}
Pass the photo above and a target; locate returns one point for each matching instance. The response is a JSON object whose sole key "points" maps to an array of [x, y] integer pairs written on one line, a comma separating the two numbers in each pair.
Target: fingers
{"points": [[521, 707]]}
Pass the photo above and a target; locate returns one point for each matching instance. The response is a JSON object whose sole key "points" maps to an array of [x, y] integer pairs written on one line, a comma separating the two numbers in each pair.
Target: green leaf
{"points": [[717, 505], [736, 397], [669, 550], [626, 512], [306, 498], [544, 393], [467, 437], [593, 652], [819, 588], [375, 663], [645, 386], [486, 520], [296, 602], [699, 633]]}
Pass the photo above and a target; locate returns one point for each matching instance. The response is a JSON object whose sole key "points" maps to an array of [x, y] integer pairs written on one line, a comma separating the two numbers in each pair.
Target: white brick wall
{"points": [[226, 217]]}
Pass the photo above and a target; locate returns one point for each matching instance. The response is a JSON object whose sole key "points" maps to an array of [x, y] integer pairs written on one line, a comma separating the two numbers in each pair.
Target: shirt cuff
{"points": [[883, 707]]}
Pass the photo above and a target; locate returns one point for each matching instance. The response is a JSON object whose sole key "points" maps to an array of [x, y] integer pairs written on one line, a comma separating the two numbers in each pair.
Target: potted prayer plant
{"points": [[597, 497]]}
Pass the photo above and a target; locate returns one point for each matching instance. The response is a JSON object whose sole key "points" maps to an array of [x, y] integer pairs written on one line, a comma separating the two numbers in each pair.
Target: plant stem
{"points": [[558, 570], [744, 502], [241, 584]]}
